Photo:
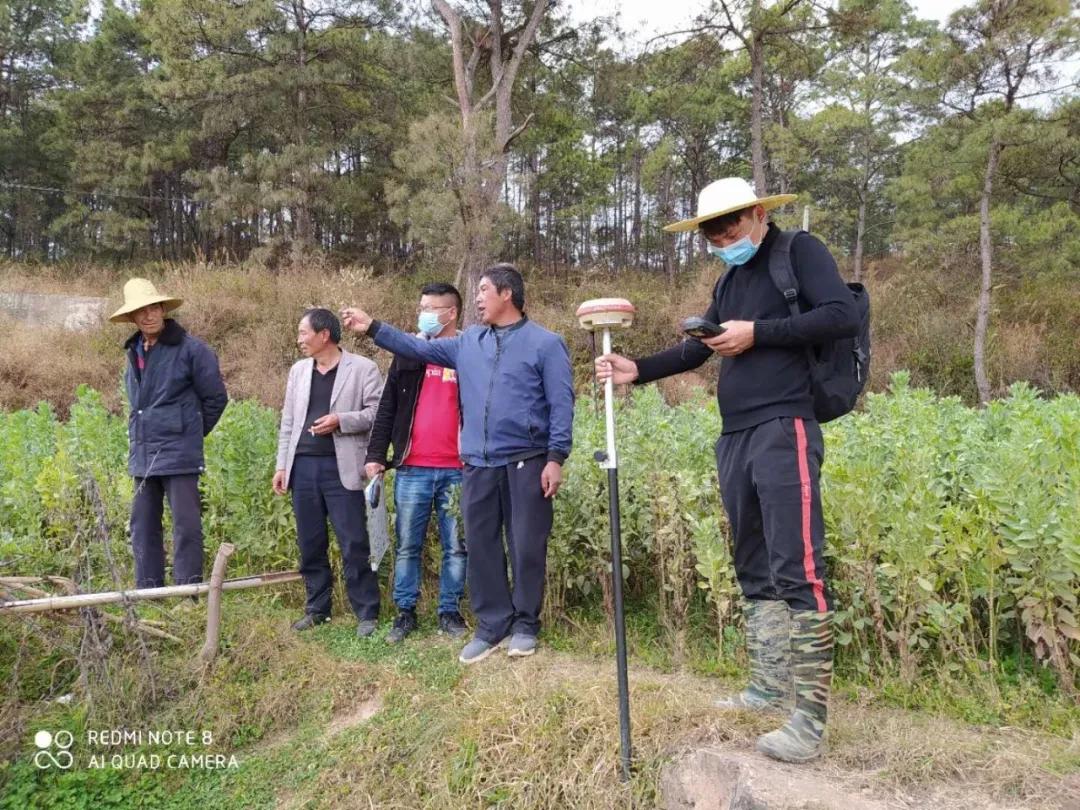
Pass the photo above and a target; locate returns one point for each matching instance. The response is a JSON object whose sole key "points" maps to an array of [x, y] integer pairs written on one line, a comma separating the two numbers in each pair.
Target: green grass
{"points": [[537, 733]]}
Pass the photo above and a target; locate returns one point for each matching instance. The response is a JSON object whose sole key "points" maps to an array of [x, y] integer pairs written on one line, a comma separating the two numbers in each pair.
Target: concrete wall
{"points": [[64, 311]]}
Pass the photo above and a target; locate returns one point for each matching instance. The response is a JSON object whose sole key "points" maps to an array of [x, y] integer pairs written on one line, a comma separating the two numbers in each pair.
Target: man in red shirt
{"points": [[418, 414]]}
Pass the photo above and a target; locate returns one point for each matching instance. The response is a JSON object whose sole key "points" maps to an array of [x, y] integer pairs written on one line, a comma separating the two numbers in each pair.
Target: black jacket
{"points": [[772, 378], [397, 406], [175, 401]]}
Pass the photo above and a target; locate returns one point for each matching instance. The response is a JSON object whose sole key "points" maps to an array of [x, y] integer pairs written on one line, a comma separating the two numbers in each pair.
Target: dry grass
{"points": [[266, 679], [36, 367], [543, 733], [249, 317], [923, 321], [324, 720]]}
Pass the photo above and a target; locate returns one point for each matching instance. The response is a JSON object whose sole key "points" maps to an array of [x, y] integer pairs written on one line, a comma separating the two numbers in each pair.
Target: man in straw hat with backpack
{"points": [[176, 394], [794, 346]]}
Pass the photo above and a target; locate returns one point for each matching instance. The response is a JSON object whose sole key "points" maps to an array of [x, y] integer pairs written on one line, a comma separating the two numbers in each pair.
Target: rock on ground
{"points": [[719, 779]]}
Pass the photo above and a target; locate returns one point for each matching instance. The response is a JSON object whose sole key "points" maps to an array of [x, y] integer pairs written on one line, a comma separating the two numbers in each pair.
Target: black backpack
{"points": [[838, 370]]}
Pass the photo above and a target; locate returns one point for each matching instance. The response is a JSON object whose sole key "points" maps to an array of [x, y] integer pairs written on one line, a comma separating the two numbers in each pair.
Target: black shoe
{"points": [[452, 624], [404, 624], [309, 621]]}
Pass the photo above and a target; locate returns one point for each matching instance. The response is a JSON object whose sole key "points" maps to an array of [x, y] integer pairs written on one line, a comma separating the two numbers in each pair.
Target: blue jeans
{"points": [[416, 491]]}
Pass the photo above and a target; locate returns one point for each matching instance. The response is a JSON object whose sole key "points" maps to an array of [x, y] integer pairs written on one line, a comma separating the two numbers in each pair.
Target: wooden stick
{"points": [[142, 594], [213, 604], [140, 627], [36, 592]]}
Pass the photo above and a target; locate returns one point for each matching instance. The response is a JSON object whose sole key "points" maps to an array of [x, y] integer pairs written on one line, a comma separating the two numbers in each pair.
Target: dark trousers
{"points": [[147, 538], [769, 482], [510, 498], [317, 493]]}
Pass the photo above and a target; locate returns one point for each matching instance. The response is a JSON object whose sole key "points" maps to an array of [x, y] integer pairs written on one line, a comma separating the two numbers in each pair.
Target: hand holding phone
{"points": [[700, 328]]}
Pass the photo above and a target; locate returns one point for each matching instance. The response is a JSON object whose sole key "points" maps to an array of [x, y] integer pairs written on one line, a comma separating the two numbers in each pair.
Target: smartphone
{"points": [[700, 328]]}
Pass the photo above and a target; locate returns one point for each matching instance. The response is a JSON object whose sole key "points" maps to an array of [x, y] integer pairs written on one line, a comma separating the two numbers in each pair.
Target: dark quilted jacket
{"points": [[175, 401]]}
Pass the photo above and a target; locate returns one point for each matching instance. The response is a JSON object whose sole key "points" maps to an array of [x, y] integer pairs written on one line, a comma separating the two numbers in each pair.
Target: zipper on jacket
{"points": [[491, 388]]}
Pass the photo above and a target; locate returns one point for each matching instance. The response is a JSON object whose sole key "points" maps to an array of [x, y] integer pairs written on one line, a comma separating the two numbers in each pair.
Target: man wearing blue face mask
{"points": [[770, 452], [517, 417], [418, 414]]}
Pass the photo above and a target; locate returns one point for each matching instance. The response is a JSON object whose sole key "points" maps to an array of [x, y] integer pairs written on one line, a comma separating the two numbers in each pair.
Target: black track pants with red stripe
{"points": [[769, 484]]}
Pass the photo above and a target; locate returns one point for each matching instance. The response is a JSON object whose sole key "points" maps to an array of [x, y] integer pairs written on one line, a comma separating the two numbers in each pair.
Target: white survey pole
{"points": [[611, 462], [601, 314]]}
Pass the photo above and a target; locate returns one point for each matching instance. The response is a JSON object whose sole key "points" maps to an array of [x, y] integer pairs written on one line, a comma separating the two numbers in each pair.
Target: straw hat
{"points": [[139, 293], [725, 196]]}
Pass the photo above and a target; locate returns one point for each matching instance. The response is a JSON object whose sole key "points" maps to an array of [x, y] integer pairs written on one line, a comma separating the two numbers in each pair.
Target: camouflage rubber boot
{"points": [[803, 736], [768, 644]]}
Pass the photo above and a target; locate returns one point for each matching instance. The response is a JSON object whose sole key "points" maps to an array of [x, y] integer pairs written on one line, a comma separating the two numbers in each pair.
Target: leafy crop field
{"points": [[952, 547], [954, 533]]}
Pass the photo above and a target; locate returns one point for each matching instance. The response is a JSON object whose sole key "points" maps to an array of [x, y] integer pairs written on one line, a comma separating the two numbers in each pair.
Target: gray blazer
{"points": [[355, 399]]}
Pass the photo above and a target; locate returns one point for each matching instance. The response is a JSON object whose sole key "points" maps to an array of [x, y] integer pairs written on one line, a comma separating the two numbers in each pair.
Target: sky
{"points": [[646, 18]]}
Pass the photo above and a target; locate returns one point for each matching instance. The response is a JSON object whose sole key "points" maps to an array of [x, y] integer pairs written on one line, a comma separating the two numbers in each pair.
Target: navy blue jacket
{"points": [[515, 386], [175, 401]]}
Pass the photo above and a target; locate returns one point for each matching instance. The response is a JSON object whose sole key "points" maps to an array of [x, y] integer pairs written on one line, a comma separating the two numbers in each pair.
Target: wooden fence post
{"points": [[213, 604]]}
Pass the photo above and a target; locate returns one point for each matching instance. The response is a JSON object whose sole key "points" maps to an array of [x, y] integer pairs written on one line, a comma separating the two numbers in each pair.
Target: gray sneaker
{"points": [[521, 645], [476, 650], [365, 628]]}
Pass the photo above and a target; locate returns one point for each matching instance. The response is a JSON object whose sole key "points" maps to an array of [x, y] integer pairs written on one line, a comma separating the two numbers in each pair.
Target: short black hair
{"points": [[441, 288], [717, 226], [506, 277], [319, 319]]}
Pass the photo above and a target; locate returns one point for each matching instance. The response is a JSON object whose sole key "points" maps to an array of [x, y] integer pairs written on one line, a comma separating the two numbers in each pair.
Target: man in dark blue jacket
{"points": [[176, 395], [517, 409]]}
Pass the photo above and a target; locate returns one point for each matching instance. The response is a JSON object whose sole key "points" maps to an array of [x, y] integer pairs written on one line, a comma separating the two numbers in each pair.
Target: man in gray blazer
{"points": [[330, 404]]}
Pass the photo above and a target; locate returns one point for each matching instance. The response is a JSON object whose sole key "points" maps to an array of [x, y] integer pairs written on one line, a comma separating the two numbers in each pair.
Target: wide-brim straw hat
{"points": [[725, 196], [139, 293]]}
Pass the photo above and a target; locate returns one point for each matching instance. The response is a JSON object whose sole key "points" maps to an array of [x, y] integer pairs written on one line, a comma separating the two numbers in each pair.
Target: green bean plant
{"points": [[953, 534]]}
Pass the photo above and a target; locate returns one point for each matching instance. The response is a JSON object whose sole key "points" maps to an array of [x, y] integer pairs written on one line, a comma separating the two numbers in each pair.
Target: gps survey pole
{"points": [[601, 314]]}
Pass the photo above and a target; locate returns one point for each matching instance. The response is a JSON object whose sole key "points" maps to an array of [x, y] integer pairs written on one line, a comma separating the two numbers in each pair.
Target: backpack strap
{"points": [[781, 271], [721, 285], [783, 276]]}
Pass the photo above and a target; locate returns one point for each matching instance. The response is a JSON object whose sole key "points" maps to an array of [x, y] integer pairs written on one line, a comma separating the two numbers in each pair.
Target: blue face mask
{"points": [[736, 253], [428, 323]]}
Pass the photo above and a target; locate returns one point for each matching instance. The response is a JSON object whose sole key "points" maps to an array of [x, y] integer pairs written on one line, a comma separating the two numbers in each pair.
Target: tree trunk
{"points": [[534, 208], [620, 207], [860, 231], [635, 227], [982, 319], [483, 175], [302, 233], [667, 210], [757, 80]]}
